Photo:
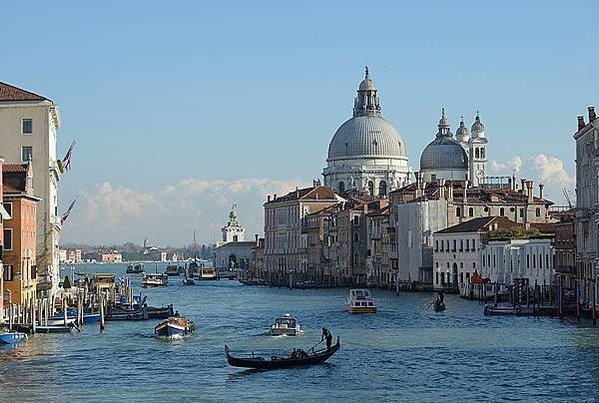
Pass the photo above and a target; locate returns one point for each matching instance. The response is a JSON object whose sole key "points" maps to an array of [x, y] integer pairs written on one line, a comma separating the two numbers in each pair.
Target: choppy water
{"points": [[405, 352]]}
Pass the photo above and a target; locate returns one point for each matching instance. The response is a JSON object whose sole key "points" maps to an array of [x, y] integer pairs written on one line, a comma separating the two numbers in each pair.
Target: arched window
{"points": [[476, 153], [501, 211], [538, 212], [341, 186], [383, 188], [470, 212], [370, 188], [458, 212], [482, 152]]}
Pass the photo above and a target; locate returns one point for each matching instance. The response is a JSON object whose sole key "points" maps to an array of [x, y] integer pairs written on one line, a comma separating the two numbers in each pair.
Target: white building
{"points": [[587, 202], [233, 252], [233, 232], [28, 125], [367, 152]]}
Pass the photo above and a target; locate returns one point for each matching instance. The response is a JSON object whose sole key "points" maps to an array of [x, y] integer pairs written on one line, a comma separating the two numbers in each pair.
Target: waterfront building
{"points": [[285, 253], [378, 244], [257, 266], [367, 152], [62, 256], [565, 248], [587, 210], [28, 132], [233, 252], [74, 255], [19, 256], [111, 257], [3, 216], [422, 208]]}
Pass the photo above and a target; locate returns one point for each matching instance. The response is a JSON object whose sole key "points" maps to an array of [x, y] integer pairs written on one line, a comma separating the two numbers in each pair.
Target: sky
{"points": [[182, 108]]}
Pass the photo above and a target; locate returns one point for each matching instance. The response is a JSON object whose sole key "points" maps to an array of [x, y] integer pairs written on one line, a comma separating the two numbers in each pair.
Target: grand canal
{"points": [[406, 352]]}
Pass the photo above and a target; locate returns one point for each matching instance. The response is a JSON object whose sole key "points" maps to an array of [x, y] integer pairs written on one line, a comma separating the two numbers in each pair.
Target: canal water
{"points": [[404, 352]]}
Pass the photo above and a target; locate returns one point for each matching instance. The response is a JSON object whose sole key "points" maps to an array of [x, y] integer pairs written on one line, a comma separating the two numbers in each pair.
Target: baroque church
{"points": [[367, 152]]}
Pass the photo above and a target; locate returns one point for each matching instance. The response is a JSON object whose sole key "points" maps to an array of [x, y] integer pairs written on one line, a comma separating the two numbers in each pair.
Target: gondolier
{"points": [[326, 335]]}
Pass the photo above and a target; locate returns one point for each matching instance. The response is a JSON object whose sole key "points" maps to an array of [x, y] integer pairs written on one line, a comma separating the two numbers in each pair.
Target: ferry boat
{"points": [[12, 337], [208, 273], [285, 326], [154, 280], [360, 301], [138, 268], [175, 326]]}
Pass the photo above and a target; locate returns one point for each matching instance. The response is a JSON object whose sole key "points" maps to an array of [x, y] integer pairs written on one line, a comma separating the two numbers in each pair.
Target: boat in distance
{"points": [[360, 301], [207, 273], [277, 362], [172, 270], [138, 268], [154, 280], [174, 326], [286, 325]]}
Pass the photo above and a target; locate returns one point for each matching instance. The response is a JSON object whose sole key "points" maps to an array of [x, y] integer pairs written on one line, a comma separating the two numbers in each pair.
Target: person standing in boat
{"points": [[326, 335], [441, 297]]}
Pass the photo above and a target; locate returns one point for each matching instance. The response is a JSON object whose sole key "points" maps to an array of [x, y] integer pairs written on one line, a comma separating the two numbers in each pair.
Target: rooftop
{"points": [[10, 93], [310, 193]]}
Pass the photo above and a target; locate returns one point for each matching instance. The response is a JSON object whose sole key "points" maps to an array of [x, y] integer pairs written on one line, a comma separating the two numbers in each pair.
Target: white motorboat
{"points": [[285, 326], [155, 280], [360, 301]]}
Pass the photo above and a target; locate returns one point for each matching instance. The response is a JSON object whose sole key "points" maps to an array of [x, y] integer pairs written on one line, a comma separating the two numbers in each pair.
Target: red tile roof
{"points": [[10, 189], [12, 93], [311, 193], [14, 168]]}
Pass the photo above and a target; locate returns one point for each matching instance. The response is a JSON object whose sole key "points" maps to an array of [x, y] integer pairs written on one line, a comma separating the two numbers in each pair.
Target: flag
{"points": [[66, 161], [64, 217]]}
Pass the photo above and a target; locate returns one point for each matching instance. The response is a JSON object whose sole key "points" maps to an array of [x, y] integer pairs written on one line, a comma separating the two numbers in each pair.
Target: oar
{"points": [[312, 349]]}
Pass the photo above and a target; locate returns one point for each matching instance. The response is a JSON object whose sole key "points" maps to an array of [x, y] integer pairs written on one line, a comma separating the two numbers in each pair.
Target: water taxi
{"points": [[360, 301], [175, 326], [285, 326], [208, 273], [154, 280]]}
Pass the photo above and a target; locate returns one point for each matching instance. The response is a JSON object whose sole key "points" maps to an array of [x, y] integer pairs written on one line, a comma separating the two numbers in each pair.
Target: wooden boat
{"points": [[360, 301], [208, 273], [55, 328], [88, 317], [58, 320], [285, 326], [127, 314], [155, 280], [507, 310], [275, 362], [439, 306], [175, 326], [160, 313], [12, 337], [138, 268]]}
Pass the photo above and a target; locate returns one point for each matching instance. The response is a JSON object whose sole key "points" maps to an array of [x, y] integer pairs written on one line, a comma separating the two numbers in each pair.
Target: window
{"points": [[26, 153], [341, 186], [538, 212], [476, 153], [470, 212], [473, 245], [8, 239], [8, 208], [521, 212], [501, 211], [437, 277], [26, 126], [540, 261], [482, 153], [467, 245], [383, 188], [356, 238], [235, 238], [461, 245], [8, 273], [534, 261], [462, 278], [454, 245], [442, 246], [527, 261], [458, 212], [436, 246]]}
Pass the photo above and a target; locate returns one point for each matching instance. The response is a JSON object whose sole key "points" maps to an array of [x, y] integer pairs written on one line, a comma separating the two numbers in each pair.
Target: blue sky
{"points": [[183, 108]]}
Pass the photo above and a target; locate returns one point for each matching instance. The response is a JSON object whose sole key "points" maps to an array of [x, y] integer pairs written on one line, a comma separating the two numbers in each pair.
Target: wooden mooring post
{"points": [[102, 314]]}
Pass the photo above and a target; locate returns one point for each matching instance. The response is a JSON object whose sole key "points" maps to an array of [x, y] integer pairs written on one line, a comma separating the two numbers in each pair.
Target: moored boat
{"points": [[55, 328], [88, 317], [127, 314], [12, 337], [507, 310], [138, 268], [312, 357], [175, 326], [162, 312], [286, 325], [155, 280], [360, 301], [208, 273], [172, 270]]}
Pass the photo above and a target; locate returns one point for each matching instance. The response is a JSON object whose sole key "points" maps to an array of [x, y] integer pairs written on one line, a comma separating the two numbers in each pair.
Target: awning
{"points": [[4, 213]]}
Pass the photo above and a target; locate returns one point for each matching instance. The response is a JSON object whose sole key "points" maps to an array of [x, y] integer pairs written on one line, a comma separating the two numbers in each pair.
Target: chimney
{"points": [[541, 191], [267, 198], [581, 123], [297, 192], [257, 238], [529, 190], [514, 184], [523, 188], [274, 197], [592, 113]]}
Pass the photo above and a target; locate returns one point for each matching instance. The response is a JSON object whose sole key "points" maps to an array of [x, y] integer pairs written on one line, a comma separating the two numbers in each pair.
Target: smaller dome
{"points": [[462, 134], [478, 129], [367, 85], [443, 153]]}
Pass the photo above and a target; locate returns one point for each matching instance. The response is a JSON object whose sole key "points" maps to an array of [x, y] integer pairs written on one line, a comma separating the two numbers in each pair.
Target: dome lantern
{"points": [[367, 102]]}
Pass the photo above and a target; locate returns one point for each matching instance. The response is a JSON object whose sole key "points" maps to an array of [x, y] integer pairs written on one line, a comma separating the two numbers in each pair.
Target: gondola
{"points": [[276, 362], [439, 306]]}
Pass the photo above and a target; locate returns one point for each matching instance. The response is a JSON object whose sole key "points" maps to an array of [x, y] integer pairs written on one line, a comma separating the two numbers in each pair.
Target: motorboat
{"points": [[507, 310], [286, 325], [208, 273], [127, 314], [162, 312], [188, 281], [12, 337], [60, 328], [138, 268], [175, 326], [172, 270], [296, 359], [360, 301], [88, 317], [154, 280]]}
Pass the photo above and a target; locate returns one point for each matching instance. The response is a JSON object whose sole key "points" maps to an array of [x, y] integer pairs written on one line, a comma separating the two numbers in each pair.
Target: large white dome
{"points": [[366, 136]]}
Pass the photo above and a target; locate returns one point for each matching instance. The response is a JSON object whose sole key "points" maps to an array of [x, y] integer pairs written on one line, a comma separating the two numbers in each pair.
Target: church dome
{"points": [[462, 134], [367, 133], [478, 129], [443, 153]]}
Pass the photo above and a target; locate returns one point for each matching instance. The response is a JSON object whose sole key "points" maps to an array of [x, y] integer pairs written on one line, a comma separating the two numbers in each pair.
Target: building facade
{"points": [[587, 210], [20, 277], [28, 131], [233, 253], [233, 231], [366, 153]]}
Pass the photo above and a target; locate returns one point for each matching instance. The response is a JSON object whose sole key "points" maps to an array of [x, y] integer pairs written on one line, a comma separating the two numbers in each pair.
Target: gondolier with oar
{"points": [[326, 335]]}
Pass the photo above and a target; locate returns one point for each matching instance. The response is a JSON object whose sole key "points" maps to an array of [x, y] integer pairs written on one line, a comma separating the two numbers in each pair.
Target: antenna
{"points": [[567, 196]]}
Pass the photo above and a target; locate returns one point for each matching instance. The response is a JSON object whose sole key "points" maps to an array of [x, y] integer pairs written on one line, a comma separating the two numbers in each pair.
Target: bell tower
{"points": [[478, 153], [233, 232]]}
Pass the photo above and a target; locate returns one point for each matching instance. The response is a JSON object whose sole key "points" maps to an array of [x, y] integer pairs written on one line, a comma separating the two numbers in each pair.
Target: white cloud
{"points": [[551, 171], [170, 215]]}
